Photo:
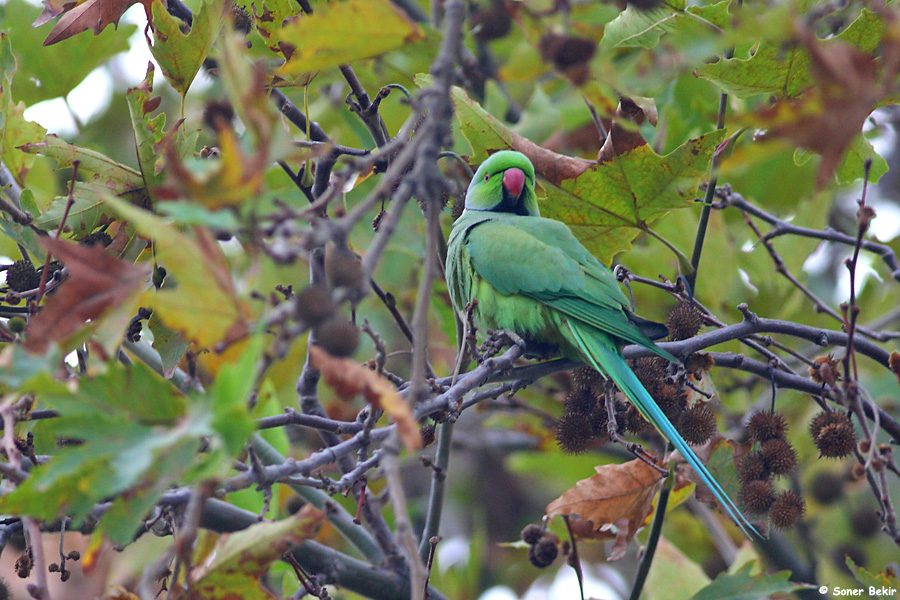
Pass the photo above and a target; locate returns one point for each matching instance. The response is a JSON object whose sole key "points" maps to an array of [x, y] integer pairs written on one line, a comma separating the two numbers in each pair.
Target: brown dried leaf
{"points": [[619, 495], [91, 14], [849, 86], [624, 138], [348, 379], [97, 281]]}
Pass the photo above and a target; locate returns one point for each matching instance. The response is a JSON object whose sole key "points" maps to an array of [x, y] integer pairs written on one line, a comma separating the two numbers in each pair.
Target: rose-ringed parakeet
{"points": [[532, 277]]}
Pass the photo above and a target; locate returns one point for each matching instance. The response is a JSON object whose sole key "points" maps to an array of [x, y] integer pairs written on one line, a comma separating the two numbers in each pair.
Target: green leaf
{"points": [[204, 304], [105, 170], [673, 575], [613, 201], [343, 31], [47, 72], [640, 28], [883, 582], [852, 166], [180, 55], [148, 132], [230, 394], [744, 586], [88, 210], [774, 69], [187, 213], [169, 343]]}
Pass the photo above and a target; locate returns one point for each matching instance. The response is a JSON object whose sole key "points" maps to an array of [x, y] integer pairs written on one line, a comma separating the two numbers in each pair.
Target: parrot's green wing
{"points": [[541, 259]]}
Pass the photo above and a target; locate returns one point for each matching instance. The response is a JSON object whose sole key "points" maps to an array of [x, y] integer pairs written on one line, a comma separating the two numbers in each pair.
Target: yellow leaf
{"points": [[344, 31]]}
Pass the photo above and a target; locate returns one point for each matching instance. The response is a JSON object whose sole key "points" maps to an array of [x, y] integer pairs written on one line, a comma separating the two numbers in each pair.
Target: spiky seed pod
{"points": [[97, 238], [22, 276], [65, 575], [864, 522], [580, 401], [241, 18], [651, 371], [673, 402], [532, 534], [313, 305], [826, 488], [786, 510], [456, 210], [827, 418], [5, 592], [826, 369], [764, 426], [338, 337], [74, 555], [427, 433], [697, 425], [835, 440], [778, 456], [573, 433], [751, 467], [634, 422], [757, 497], [568, 54], [543, 553], [588, 379], [53, 567], [599, 420], [683, 322]]}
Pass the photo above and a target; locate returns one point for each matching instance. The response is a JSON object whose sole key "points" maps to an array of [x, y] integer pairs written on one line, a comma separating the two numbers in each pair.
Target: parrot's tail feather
{"points": [[603, 356]]}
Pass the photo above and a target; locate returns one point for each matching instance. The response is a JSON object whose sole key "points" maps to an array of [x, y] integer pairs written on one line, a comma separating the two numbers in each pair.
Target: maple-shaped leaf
{"points": [[150, 136], [746, 584], [202, 301], [179, 54], [97, 282], [848, 86], [90, 14], [609, 202], [106, 171], [613, 201], [619, 496], [341, 32], [349, 379], [15, 129], [785, 69]]}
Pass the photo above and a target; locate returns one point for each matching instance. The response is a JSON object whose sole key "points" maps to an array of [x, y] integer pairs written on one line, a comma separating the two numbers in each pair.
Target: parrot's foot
{"points": [[495, 342]]}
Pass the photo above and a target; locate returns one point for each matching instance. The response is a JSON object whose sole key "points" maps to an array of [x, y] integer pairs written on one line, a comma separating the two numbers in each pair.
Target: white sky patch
{"points": [[746, 279], [565, 585], [92, 96], [864, 270], [54, 116], [886, 224], [452, 551], [499, 592], [817, 262]]}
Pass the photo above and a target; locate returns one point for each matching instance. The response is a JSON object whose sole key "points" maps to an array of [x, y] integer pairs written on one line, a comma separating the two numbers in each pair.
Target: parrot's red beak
{"points": [[514, 181]]}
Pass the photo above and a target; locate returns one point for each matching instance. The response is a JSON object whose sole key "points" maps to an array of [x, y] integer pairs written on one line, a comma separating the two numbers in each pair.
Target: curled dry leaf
{"points": [[348, 379], [97, 281], [618, 495], [92, 14], [625, 137]]}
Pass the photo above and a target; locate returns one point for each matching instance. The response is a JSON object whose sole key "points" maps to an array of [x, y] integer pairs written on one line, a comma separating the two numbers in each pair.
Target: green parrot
{"points": [[532, 277]]}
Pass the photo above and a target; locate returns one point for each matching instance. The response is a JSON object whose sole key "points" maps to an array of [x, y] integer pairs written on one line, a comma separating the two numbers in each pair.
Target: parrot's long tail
{"points": [[599, 351]]}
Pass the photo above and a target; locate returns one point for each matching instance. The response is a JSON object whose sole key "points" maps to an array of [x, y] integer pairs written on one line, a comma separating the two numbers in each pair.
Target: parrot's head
{"points": [[504, 183]]}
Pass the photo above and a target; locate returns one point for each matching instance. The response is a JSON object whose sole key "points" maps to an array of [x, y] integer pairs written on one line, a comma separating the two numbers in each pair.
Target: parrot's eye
{"points": [[486, 177]]}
